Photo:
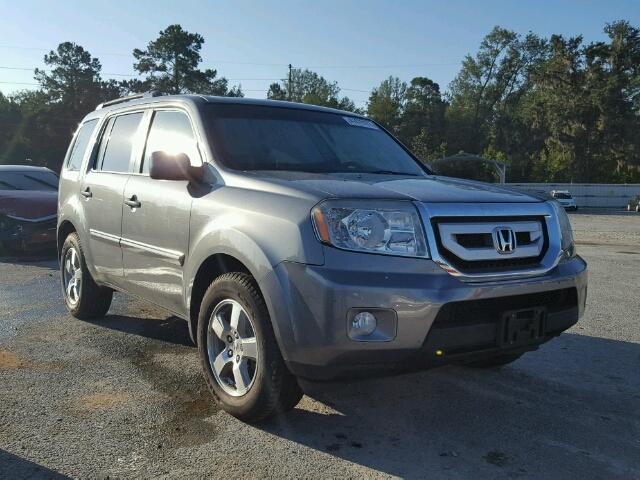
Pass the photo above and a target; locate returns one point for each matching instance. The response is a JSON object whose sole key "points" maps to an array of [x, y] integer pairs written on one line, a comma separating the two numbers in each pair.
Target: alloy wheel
{"points": [[232, 348], [72, 275]]}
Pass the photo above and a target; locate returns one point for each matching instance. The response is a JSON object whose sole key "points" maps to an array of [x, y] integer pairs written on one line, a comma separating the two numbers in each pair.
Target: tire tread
{"points": [[281, 393], [94, 299]]}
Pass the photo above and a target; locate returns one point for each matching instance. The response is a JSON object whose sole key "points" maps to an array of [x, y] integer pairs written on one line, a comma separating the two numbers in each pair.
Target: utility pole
{"points": [[289, 87]]}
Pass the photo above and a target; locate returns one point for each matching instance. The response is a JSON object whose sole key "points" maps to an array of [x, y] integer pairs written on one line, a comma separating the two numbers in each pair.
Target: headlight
{"points": [[391, 228], [567, 244]]}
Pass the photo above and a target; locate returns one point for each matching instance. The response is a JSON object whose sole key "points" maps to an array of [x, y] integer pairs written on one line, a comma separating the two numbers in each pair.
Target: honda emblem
{"points": [[504, 239]]}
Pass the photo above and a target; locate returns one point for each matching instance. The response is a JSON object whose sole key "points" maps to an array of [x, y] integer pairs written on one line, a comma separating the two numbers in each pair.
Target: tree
{"points": [[170, 64], [386, 103], [70, 88], [309, 87], [424, 112], [73, 79], [489, 85]]}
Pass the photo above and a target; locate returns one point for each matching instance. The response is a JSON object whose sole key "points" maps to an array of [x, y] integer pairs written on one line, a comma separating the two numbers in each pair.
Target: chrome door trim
{"points": [[550, 260], [104, 236], [171, 255]]}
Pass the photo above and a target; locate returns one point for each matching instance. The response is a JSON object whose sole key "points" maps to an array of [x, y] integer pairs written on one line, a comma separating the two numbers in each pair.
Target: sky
{"points": [[357, 43]]}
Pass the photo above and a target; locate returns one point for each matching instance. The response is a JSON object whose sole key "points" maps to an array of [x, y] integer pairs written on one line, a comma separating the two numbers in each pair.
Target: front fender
{"points": [[239, 245]]}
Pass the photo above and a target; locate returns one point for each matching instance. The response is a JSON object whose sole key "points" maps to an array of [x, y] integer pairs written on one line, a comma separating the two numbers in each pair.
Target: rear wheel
{"points": [[497, 361], [85, 299], [242, 364]]}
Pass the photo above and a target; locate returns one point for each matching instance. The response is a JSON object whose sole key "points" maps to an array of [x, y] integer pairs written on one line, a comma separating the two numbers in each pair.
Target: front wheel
{"points": [[85, 299], [242, 364]]}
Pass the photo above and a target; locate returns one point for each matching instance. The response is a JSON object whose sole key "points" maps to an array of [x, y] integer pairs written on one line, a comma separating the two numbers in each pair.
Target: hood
{"points": [[30, 205], [430, 189]]}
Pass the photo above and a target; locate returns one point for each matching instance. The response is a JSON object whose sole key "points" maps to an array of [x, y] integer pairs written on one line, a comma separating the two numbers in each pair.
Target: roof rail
{"points": [[149, 94]]}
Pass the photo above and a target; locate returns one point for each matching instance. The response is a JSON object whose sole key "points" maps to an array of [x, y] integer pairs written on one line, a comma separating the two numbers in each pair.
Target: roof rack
{"points": [[149, 94]]}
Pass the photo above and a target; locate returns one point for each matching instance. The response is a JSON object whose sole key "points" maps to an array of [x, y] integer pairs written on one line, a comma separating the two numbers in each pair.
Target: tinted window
{"points": [[562, 196], [80, 145], [28, 181], [249, 137], [118, 139], [170, 132]]}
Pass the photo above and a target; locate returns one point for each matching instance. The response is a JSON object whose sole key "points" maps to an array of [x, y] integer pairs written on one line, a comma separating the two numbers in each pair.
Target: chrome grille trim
{"points": [[449, 233], [492, 212]]}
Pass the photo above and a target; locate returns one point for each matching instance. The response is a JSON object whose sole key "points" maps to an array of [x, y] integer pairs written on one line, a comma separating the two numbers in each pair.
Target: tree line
{"points": [[553, 109]]}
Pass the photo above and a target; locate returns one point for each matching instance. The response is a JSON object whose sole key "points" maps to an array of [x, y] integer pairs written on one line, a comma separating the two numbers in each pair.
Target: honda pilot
{"points": [[300, 242]]}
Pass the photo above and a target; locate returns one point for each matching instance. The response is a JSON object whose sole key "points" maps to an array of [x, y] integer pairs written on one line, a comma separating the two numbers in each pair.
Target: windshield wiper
{"points": [[391, 172]]}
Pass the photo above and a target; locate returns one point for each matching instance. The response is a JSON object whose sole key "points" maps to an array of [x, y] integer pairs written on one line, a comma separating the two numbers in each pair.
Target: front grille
{"points": [[479, 246]]}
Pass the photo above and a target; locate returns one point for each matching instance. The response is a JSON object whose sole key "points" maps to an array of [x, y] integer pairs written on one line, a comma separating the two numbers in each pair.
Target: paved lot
{"points": [[123, 397]]}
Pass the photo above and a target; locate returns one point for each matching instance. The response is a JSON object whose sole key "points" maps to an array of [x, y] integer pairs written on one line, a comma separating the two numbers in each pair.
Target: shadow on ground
{"points": [[569, 410], [171, 329], [15, 467]]}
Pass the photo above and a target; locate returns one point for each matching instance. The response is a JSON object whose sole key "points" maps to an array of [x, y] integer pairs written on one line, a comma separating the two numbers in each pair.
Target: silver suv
{"points": [[305, 242]]}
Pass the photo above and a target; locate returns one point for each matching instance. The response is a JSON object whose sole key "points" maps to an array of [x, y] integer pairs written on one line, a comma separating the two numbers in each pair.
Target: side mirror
{"points": [[164, 166]]}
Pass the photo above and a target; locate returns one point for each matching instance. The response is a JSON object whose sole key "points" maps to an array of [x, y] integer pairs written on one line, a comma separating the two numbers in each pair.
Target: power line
{"points": [[21, 83], [413, 65], [31, 69], [417, 65], [19, 47]]}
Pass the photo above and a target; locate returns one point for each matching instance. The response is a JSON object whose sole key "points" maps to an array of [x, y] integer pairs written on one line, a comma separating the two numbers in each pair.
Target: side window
{"points": [[170, 132], [117, 142], [80, 145]]}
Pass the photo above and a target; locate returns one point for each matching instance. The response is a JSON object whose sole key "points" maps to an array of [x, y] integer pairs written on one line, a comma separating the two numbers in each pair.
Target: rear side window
{"points": [[117, 142], [80, 145], [170, 132]]}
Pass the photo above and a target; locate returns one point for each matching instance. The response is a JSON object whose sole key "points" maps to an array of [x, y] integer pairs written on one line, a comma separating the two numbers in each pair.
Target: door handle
{"points": [[86, 193], [133, 202]]}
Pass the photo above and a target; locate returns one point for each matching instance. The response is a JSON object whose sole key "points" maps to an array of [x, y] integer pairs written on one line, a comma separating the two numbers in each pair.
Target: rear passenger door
{"points": [[155, 225], [102, 193]]}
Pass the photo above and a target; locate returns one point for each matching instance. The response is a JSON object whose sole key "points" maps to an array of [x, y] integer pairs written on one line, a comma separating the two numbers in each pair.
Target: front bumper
{"points": [[26, 234], [311, 304]]}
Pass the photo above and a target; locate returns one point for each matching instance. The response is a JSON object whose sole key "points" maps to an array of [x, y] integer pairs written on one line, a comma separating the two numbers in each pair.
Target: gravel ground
{"points": [[123, 397]]}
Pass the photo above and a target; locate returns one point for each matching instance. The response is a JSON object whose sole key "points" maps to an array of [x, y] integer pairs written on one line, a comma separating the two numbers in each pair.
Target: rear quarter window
{"points": [[80, 145]]}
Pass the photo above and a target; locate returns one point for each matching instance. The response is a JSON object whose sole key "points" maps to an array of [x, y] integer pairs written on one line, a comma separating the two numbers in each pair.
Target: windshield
{"points": [[562, 195], [47, 181], [250, 137]]}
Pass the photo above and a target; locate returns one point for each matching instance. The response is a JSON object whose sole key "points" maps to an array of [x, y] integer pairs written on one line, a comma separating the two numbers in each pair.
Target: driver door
{"points": [[155, 220]]}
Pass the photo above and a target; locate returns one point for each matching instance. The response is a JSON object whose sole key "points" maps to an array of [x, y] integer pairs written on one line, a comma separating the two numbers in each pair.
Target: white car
{"points": [[565, 199]]}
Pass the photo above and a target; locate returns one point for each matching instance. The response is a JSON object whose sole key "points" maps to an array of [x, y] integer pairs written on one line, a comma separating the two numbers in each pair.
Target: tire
{"points": [[497, 361], [638, 208], [266, 388], [88, 299]]}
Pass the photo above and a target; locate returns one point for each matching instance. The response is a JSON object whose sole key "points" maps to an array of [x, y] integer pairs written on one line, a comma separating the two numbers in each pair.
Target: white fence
{"points": [[589, 194]]}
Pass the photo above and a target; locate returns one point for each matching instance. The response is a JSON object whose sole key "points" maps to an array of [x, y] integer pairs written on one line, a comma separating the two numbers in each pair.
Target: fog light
{"points": [[363, 324]]}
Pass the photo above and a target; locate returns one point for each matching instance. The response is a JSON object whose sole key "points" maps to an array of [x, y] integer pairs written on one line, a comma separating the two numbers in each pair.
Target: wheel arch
{"points": [[211, 268], [65, 228]]}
